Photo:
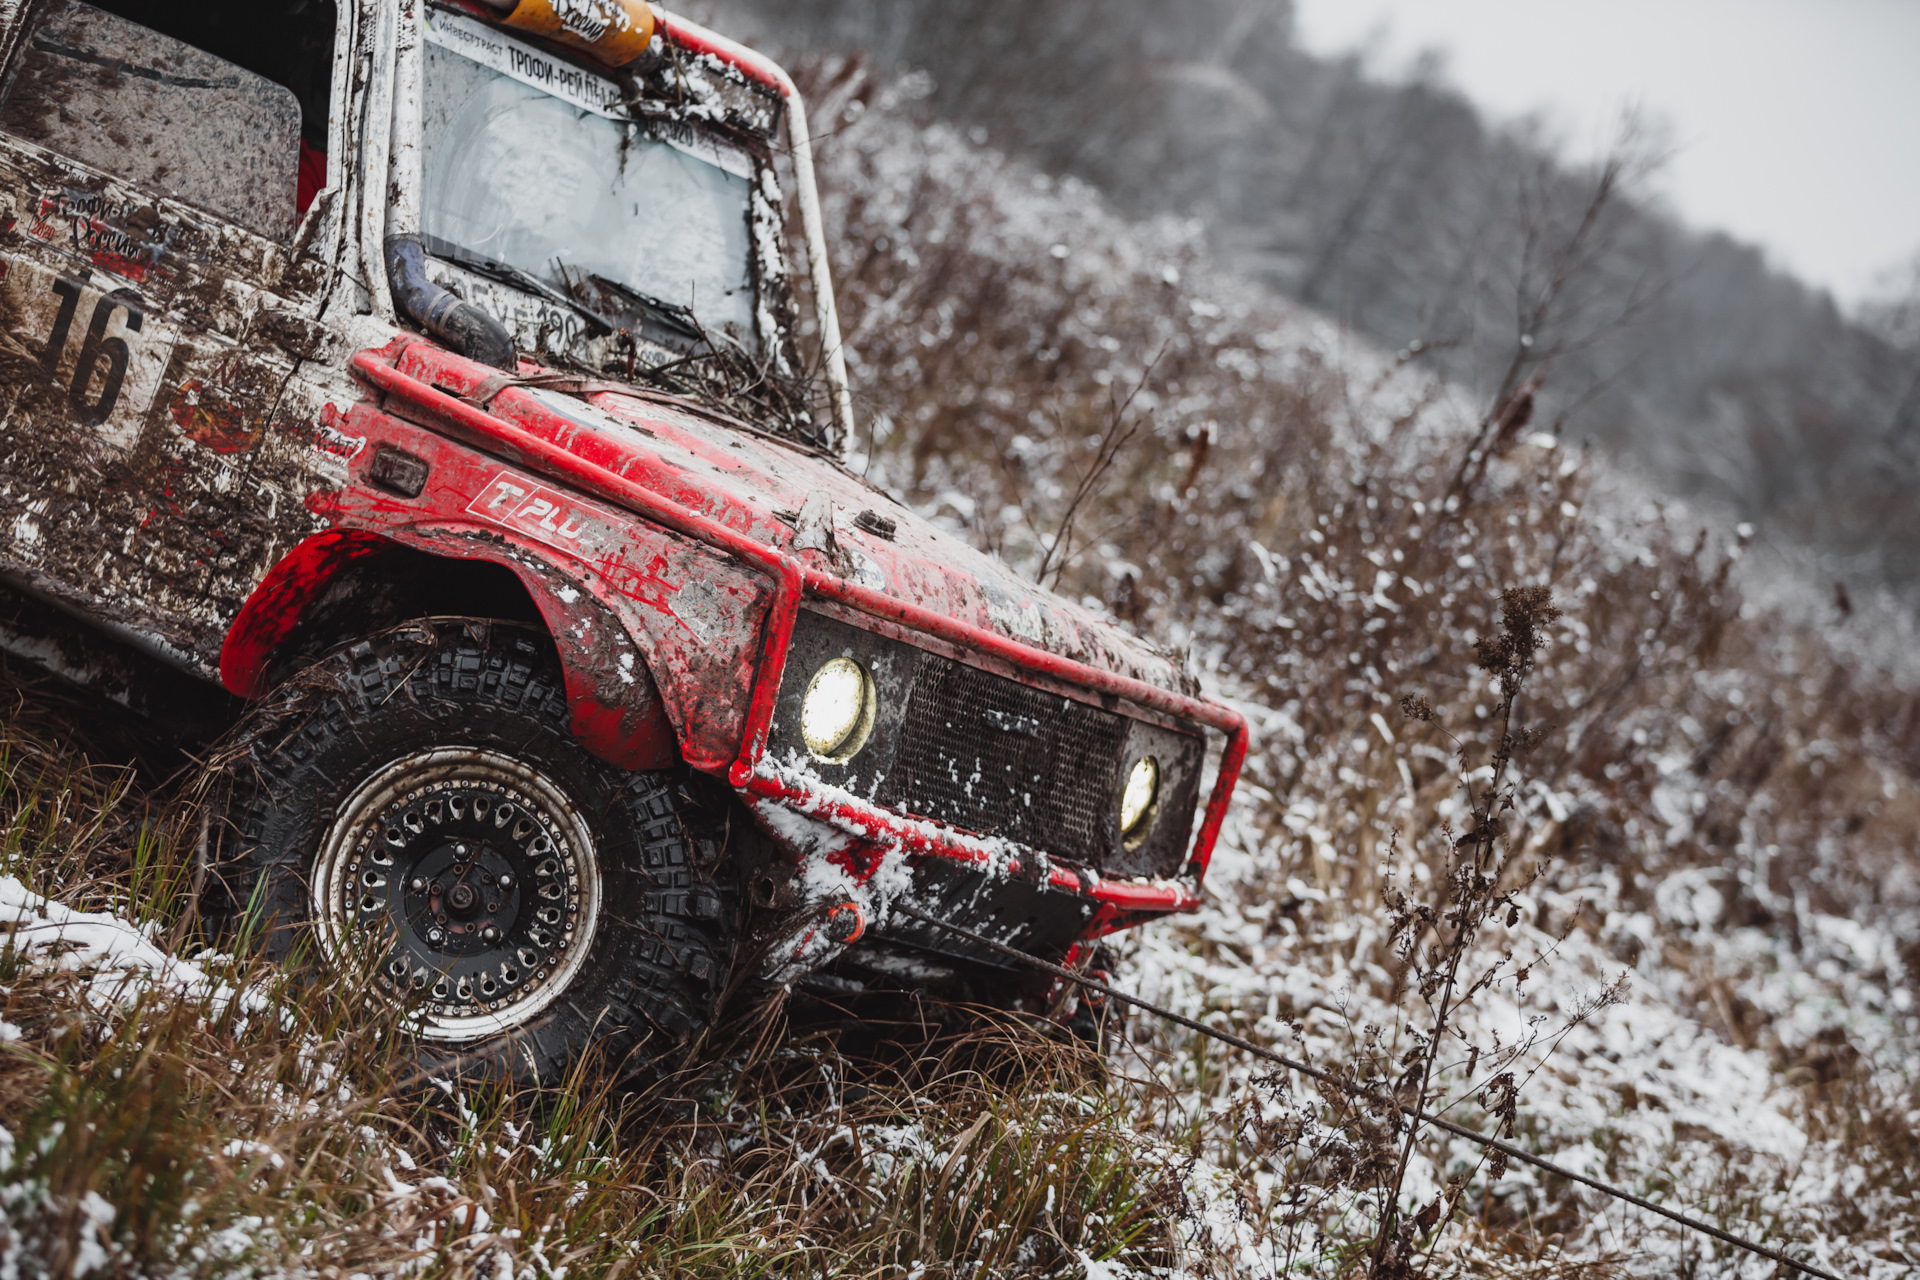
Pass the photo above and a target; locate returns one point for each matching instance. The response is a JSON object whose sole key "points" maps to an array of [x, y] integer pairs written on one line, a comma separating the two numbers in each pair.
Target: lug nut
{"points": [[489, 934], [506, 882], [434, 935], [416, 884]]}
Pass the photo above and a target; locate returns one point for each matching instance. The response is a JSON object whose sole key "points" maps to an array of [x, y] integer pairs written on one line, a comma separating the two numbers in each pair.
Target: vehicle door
{"points": [[157, 285]]}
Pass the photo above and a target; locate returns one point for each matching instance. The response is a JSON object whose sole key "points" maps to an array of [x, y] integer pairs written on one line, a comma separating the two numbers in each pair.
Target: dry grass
{"points": [[235, 1134]]}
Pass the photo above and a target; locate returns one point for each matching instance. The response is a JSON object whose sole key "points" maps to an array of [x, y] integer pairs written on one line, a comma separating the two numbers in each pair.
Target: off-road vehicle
{"points": [[419, 392]]}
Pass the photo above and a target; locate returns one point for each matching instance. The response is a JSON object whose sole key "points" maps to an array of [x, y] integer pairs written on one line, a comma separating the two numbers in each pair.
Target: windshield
{"points": [[532, 181]]}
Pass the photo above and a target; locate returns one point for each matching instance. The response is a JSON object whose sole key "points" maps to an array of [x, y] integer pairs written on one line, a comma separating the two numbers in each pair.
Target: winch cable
{"points": [[1348, 1087]]}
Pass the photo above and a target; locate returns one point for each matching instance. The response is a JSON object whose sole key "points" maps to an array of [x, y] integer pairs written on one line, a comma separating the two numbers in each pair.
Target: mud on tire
{"points": [[419, 793]]}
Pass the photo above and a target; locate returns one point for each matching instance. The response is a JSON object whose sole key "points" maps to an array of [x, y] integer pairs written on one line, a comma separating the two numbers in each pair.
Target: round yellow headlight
{"points": [[836, 717], [1137, 801]]}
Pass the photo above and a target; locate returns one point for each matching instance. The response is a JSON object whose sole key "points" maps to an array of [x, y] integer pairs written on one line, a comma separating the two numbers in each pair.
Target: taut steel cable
{"points": [[1328, 1078]]}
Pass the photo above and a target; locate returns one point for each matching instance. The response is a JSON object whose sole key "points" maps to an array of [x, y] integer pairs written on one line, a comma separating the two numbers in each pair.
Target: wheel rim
{"points": [[469, 883]]}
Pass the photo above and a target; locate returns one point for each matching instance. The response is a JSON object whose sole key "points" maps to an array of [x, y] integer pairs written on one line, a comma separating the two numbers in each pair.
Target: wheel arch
{"points": [[342, 583]]}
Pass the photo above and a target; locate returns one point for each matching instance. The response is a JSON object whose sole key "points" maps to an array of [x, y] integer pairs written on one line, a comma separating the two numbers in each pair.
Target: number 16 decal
{"points": [[93, 413], [103, 351]]}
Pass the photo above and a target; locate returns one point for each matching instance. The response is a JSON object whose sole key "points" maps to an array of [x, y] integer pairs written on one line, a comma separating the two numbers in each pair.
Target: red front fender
{"points": [[617, 710]]}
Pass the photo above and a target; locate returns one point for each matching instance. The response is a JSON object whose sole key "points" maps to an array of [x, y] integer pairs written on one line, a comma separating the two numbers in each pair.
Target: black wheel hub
{"points": [[463, 890], [470, 889]]}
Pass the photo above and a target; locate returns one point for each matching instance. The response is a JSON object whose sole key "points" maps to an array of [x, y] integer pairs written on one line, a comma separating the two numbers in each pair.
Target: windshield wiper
{"points": [[670, 316], [507, 273]]}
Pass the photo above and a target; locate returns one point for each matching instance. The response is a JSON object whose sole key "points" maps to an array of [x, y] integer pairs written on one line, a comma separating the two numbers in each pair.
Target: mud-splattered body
{"points": [[220, 443]]}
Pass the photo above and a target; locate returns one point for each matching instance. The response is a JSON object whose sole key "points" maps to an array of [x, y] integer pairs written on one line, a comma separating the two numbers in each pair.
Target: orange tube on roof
{"points": [[612, 31]]}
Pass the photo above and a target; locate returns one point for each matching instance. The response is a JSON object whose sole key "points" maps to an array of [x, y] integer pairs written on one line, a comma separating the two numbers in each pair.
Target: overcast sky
{"points": [[1795, 123]]}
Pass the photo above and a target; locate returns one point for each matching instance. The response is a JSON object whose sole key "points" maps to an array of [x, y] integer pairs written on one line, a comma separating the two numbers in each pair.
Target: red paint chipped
{"points": [[211, 422]]}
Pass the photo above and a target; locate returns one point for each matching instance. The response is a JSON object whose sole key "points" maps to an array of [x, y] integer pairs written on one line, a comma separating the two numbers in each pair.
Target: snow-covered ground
{"points": [[122, 971], [1643, 1093], [1731, 831]]}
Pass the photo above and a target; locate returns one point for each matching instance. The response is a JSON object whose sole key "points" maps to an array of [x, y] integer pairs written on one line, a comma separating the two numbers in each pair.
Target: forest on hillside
{"points": [[1393, 207]]}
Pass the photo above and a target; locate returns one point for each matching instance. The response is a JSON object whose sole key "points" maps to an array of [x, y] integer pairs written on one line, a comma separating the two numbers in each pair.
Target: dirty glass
{"points": [[157, 113], [548, 182]]}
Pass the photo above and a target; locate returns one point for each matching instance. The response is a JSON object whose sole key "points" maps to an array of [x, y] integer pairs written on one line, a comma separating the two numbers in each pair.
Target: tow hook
{"points": [[846, 923]]}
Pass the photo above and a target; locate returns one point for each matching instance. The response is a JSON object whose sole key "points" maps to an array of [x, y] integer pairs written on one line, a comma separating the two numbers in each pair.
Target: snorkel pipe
{"points": [[462, 327]]}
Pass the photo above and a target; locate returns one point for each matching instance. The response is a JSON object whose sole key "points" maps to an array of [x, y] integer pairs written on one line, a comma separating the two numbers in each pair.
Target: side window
{"points": [[160, 110]]}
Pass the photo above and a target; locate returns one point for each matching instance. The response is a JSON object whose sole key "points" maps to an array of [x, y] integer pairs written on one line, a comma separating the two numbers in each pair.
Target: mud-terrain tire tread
{"points": [[659, 955]]}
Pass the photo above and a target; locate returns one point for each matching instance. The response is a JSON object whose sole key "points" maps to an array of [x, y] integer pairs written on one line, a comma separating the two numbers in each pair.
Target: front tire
{"points": [[414, 808]]}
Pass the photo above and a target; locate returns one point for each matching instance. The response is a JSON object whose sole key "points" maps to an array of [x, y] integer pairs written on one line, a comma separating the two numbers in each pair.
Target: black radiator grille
{"points": [[990, 754]]}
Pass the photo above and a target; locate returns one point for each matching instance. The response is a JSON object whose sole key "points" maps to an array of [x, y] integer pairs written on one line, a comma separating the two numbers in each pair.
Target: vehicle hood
{"points": [[782, 494]]}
